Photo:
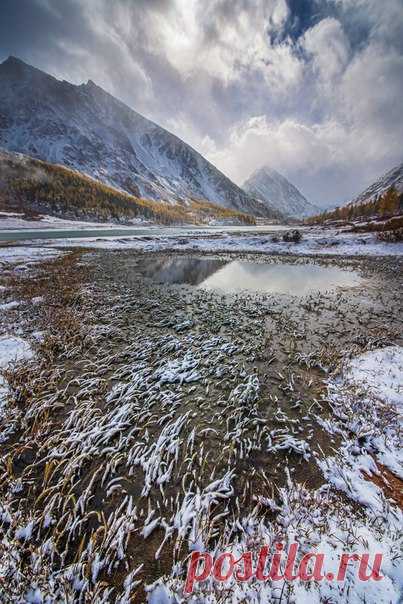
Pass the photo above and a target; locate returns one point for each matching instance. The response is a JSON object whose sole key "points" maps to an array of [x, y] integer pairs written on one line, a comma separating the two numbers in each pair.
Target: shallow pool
{"points": [[237, 275]]}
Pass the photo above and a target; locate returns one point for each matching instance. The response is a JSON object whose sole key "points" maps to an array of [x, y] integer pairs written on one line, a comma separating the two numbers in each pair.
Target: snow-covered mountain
{"points": [[393, 178], [35, 187], [85, 128], [277, 192]]}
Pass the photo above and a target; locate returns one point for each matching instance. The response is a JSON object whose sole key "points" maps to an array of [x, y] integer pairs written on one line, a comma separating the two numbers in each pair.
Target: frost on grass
{"points": [[141, 435], [179, 370], [162, 416], [364, 401], [9, 305], [319, 524], [287, 442]]}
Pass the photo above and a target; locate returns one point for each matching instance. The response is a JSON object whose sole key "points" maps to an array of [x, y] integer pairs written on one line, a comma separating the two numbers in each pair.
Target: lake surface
{"points": [[141, 231], [238, 275]]}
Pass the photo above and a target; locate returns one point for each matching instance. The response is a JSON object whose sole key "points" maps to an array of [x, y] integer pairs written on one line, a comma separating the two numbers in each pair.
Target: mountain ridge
{"points": [[383, 199], [273, 189], [86, 128], [391, 178]]}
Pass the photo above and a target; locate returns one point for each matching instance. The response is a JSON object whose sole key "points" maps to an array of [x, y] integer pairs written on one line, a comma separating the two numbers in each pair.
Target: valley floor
{"points": [[141, 421], [316, 241], [18, 220]]}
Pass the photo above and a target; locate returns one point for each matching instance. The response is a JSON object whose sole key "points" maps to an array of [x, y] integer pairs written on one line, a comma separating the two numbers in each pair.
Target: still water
{"points": [[238, 275], [140, 231]]}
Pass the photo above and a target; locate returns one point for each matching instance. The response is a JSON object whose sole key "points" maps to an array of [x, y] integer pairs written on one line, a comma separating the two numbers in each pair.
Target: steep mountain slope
{"points": [[277, 192], [393, 178], [33, 187], [86, 128], [383, 200]]}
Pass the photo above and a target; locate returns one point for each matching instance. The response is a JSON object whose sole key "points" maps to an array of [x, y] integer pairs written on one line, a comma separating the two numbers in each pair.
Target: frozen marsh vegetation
{"points": [[158, 420]]}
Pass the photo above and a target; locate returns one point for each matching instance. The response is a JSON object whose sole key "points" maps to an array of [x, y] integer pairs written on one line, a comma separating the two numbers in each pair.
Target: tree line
{"points": [[43, 187], [382, 206]]}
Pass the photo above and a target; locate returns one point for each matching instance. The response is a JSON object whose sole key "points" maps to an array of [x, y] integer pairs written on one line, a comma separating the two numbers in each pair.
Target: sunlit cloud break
{"points": [[312, 88]]}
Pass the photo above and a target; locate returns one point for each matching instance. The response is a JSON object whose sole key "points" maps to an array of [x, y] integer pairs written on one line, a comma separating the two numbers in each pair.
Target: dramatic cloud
{"points": [[311, 87]]}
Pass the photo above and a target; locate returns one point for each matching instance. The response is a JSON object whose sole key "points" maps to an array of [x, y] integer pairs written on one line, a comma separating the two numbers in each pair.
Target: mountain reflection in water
{"points": [[238, 275]]}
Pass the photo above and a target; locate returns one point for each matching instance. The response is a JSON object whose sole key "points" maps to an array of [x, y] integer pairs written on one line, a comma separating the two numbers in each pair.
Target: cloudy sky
{"points": [[312, 88]]}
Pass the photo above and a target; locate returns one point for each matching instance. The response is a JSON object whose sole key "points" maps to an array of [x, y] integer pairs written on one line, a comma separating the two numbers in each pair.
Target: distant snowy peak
{"points": [[85, 128], [275, 191], [393, 178]]}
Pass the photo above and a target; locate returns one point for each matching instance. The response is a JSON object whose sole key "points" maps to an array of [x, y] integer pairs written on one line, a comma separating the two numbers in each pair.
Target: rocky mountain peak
{"points": [[272, 188], [86, 128]]}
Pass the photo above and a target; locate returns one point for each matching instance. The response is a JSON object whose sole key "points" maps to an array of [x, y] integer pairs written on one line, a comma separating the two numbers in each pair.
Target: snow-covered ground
{"points": [[365, 399], [317, 242], [16, 220], [307, 519], [380, 372], [314, 520], [267, 239], [26, 254], [12, 350]]}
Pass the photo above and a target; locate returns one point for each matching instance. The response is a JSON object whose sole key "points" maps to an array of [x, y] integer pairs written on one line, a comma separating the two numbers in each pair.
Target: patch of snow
{"points": [[12, 349], [367, 401], [10, 220], [159, 594], [4, 214], [9, 305], [347, 473], [39, 336], [25, 532], [31, 254], [380, 372], [287, 442], [3, 393]]}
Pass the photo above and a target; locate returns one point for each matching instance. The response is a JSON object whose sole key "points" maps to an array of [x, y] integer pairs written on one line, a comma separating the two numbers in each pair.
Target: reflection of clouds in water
{"points": [[279, 278], [297, 279]]}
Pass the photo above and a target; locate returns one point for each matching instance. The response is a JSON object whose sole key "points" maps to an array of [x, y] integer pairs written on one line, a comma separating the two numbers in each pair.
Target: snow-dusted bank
{"points": [[26, 254], [18, 220], [12, 350], [315, 242], [380, 373]]}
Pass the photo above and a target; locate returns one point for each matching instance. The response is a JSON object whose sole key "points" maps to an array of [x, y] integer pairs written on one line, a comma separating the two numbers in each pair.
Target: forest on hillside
{"points": [[33, 186], [384, 206]]}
